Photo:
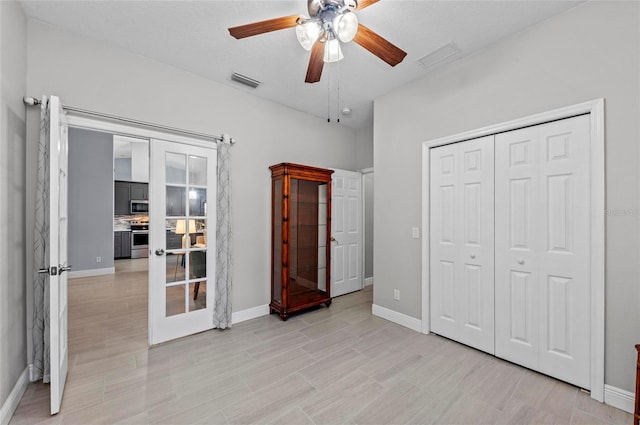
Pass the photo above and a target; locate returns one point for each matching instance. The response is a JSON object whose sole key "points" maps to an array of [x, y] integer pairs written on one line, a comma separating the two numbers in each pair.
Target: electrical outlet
{"points": [[98, 259], [396, 294], [415, 233]]}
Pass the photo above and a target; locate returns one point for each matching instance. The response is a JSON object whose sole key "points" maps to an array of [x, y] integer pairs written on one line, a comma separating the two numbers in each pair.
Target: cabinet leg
{"points": [[328, 303]]}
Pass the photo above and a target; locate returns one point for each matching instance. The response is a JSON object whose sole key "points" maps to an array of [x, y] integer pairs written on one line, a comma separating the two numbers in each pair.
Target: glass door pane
{"points": [[307, 239], [186, 201]]}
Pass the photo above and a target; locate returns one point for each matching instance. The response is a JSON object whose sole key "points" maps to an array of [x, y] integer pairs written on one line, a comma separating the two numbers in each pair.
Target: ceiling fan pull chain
{"points": [[328, 97], [338, 103]]}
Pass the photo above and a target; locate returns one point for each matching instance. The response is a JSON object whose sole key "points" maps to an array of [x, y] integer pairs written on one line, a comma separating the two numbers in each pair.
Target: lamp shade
{"points": [[346, 26], [307, 33], [332, 51], [181, 228]]}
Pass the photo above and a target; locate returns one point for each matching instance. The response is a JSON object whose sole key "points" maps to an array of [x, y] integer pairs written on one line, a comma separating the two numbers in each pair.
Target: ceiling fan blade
{"points": [[380, 47], [365, 3], [262, 27], [316, 63]]}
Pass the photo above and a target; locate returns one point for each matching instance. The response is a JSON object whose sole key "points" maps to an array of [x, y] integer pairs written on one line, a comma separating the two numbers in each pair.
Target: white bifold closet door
{"points": [[542, 282], [462, 242]]}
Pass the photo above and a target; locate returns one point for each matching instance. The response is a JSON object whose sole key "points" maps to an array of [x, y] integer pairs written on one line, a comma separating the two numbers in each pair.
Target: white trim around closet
{"points": [[597, 193]]}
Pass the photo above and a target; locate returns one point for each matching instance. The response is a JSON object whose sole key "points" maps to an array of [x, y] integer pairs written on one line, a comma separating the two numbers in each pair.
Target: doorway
{"points": [[190, 143], [108, 290]]}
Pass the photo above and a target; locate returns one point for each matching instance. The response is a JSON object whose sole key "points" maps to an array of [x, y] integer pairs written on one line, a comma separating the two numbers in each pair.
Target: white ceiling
{"points": [[192, 35]]}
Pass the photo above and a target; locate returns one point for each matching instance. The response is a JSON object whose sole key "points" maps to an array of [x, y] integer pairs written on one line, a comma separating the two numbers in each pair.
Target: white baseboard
{"points": [[10, 405], [250, 313], [622, 399], [368, 281], [399, 318], [92, 272]]}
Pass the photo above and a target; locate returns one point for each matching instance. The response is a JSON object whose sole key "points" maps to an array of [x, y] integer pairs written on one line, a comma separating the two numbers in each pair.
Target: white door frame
{"points": [[597, 209]]}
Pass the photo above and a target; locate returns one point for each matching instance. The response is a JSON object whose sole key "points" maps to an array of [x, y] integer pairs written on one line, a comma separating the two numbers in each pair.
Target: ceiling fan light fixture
{"points": [[307, 33], [332, 50], [346, 26]]}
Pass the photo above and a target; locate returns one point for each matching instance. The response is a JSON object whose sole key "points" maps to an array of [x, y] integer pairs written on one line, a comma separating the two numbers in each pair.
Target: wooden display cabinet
{"points": [[300, 238]]}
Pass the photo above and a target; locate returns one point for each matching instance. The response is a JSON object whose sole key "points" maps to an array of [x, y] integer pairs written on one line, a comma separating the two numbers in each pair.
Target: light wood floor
{"points": [[329, 366]]}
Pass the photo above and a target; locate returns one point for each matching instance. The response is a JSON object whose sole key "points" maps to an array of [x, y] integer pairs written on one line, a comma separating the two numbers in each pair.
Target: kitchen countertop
{"points": [[122, 223]]}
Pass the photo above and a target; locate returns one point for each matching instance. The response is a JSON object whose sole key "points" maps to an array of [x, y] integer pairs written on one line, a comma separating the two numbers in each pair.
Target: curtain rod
{"points": [[32, 101]]}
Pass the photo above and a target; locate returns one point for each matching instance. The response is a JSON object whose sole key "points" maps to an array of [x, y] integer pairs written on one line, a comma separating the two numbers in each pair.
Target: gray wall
{"points": [[13, 344], [92, 75], [90, 199], [589, 52], [365, 146]]}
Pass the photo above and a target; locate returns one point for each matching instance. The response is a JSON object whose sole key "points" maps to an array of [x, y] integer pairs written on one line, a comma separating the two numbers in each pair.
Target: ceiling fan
{"points": [[330, 22]]}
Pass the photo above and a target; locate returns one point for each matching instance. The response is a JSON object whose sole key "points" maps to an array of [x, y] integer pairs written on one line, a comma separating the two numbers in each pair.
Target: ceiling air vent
{"points": [[242, 79], [439, 56]]}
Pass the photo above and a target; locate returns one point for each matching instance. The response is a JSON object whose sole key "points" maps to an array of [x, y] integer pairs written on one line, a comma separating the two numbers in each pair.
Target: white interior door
{"points": [[182, 222], [58, 226], [346, 231], [542, 248], [462, 242]]}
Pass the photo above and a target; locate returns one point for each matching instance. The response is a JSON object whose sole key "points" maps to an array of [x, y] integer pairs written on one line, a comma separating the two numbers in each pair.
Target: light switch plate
{"points": [[415, 233]]}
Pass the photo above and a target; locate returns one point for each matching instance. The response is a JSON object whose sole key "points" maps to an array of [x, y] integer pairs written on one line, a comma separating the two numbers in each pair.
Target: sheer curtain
{"points": [[41, 355], [224, 272]]}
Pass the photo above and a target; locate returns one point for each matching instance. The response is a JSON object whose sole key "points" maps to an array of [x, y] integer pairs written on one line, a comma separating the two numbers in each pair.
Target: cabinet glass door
{"points": [[183, 206], [307, 240]]}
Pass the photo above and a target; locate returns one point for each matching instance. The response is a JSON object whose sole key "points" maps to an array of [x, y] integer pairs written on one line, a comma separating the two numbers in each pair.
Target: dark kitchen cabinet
{"points": [[139, 191], [117, 248], [124, 192], [300, 235], [122, 245], [122, 201]]}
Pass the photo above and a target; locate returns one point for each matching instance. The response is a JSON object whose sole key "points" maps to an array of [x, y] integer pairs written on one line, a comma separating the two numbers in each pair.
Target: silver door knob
{"points": [[520, 260], [472, 255], [159, 252], [62, 269], [333, 239]]}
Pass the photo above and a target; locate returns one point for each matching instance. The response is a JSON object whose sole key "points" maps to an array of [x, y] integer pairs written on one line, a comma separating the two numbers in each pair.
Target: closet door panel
{"points": [[462, 246], [565, 283], [516, 262], [542, 176], [443, 240]]}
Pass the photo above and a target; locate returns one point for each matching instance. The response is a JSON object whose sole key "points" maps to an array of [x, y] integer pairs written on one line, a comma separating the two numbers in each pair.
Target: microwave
{"points": [[139, 207]]}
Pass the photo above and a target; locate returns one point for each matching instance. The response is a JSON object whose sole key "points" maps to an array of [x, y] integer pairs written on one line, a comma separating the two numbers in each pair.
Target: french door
{"points": [[182, 222], [58, 228], [346, 232]]}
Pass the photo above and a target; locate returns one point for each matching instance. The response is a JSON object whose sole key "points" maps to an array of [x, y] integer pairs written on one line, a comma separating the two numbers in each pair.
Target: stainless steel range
{"points": [[139, 239]]}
